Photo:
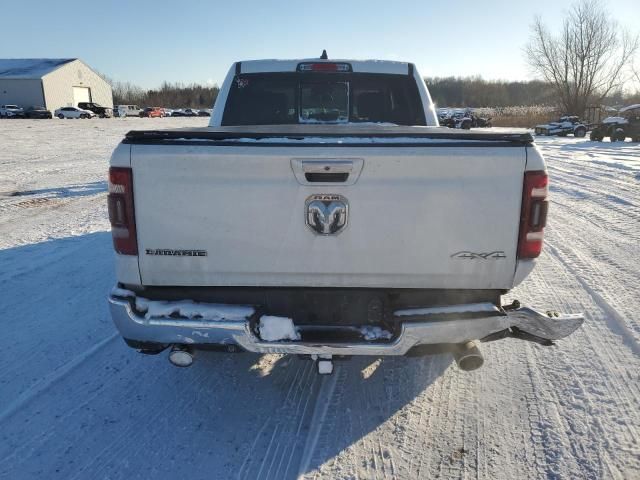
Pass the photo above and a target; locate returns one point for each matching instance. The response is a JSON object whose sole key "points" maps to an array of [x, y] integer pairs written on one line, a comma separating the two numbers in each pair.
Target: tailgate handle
{"points": [[327, 171], [335, 177], [335, 171]]}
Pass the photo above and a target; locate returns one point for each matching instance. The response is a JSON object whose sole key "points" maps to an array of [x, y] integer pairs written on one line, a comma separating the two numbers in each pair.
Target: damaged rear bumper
{"points": [[453, 324]]}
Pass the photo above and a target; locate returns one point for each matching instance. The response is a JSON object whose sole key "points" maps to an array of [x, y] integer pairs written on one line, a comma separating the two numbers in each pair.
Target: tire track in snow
{"points": [[323, 401], [615, 321], [54, 377], [278, 455], [583, 383], [285, 445]]}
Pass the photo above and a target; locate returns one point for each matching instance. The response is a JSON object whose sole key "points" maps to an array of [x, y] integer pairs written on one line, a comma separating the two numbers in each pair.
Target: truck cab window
{"points": [[324, 102], [292, 98]]}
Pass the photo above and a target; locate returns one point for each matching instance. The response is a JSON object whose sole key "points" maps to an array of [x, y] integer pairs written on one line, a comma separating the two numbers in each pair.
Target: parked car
{"points": [[99, 110], [11, 111], [187, 112], [152, 112], [126, 111], [73, 112], [618, 128], [373, 242], [204, 113], [37, 111], [569, 124]]}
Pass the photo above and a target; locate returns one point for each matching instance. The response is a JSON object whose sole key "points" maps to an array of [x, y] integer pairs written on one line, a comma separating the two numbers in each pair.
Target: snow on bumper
{"points": [[425, 326]]}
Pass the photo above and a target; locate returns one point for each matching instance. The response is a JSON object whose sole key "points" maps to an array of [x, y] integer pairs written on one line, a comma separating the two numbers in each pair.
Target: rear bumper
{"points": [[428, 326]]}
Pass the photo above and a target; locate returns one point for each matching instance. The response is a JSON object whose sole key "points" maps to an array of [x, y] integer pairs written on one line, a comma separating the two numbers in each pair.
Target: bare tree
{"points": [[590, 58], [636, 75]]}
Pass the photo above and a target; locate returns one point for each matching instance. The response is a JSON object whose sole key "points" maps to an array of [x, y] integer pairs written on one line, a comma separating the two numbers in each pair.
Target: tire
{"points": [[580, 132], [61, 116], [466, 126], [83, 116], [595, 136]]}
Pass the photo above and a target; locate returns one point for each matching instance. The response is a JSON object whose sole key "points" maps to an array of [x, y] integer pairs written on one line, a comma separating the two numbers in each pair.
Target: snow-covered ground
{"points": [[76, 403]]}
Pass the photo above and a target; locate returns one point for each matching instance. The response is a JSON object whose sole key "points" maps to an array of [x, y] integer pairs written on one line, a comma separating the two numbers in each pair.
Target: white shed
{"points": [[52, 83]]}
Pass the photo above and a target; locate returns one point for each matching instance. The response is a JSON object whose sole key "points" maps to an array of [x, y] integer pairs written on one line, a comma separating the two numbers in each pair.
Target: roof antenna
{"points": [[324, 55]]}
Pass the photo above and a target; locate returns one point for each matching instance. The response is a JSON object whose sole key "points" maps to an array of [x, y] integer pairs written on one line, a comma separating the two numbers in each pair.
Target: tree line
{"points": [[171, 95], [477, 92], [445, 92]]}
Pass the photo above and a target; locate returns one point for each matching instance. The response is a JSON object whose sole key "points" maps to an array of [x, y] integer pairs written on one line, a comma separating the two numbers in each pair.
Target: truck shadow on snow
{"points": [[318, 417], [229, 415]]}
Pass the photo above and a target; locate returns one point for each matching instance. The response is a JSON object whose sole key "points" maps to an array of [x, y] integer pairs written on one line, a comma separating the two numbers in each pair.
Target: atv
{"points": [[462, 118], [626, 124], [471, 120], [563, 127]]}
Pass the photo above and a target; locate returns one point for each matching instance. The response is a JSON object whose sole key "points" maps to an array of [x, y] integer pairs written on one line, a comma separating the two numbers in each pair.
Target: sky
{"points": [[150, 41]]}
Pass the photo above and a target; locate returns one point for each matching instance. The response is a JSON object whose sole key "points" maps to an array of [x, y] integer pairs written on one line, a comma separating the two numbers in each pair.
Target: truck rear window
{"points": [[291, 98]]}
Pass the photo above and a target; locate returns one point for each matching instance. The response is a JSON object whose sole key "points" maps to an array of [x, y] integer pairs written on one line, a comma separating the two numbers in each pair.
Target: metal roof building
{"points": [[51, 82]]}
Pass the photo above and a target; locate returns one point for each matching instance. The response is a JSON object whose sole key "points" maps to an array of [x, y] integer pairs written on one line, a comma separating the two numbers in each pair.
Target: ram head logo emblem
{"points": [[326, 214]]}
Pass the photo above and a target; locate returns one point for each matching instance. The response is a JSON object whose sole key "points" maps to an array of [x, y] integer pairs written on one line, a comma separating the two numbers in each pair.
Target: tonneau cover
{"points": [[347, 135]]}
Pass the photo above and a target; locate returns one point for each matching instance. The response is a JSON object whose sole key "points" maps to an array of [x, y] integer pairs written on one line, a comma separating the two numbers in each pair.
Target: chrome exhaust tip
{"points": [[468, 356], [181, 356]]}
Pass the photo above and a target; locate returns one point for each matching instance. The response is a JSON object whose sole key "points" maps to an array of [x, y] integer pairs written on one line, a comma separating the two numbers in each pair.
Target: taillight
{"points": [[324, 67], [533, 216], [121, 213]]}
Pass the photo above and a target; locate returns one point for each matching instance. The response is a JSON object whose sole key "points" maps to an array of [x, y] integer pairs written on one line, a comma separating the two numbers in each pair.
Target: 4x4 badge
{"points": [[498, 254], [326, 214]]}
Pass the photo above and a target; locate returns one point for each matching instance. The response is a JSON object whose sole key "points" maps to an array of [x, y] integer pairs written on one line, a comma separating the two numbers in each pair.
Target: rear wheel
{"points": [[60, 116], [596, 136], [580, 132], [83, 116]]}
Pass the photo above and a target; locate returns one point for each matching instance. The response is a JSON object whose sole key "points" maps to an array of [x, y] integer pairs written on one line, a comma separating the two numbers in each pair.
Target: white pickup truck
{"points": [[325, 213]]}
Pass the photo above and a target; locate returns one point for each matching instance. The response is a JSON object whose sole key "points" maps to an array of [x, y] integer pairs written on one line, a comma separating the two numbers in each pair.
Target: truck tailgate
{"points": [[418, 216]]}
